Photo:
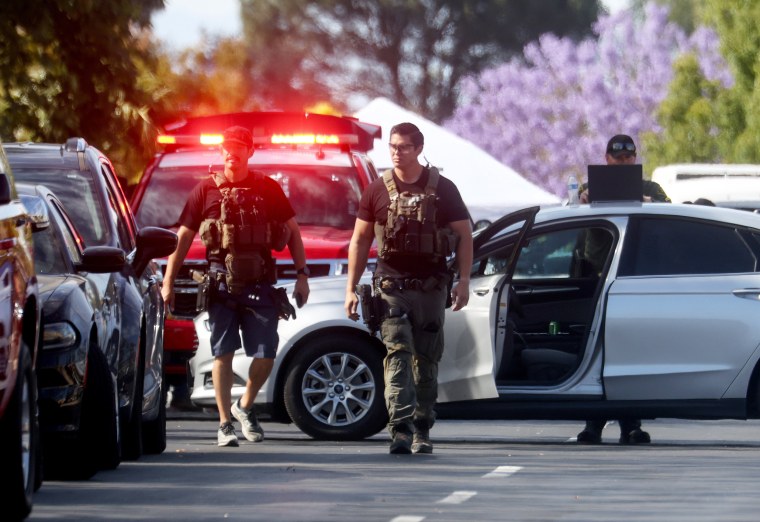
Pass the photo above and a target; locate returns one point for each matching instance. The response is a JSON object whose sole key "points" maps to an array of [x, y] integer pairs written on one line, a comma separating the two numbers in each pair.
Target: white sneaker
{"points": [[226, 435], [250, 424]]}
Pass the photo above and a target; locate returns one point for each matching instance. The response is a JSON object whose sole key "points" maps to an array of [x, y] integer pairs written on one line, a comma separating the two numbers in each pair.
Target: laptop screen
{"points": [[615, 183]]}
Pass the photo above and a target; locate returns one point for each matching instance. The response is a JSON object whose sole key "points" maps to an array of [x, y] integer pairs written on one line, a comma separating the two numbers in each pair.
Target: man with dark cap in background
{"points": [[621, 150]]}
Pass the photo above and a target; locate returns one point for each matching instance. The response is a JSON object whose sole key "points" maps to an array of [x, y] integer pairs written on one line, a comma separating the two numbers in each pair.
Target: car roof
{"points": [[722, 214], [41, 155]]}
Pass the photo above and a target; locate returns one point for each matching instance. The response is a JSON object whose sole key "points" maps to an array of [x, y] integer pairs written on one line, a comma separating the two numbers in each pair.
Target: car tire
{"points": [[19, 441], [154, 431], [100, 424], [132, 427], [97, 445], [344, 374]]}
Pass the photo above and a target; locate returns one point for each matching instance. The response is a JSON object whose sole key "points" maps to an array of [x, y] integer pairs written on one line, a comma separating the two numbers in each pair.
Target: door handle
{"points": [[748, 293], [481, 291]]}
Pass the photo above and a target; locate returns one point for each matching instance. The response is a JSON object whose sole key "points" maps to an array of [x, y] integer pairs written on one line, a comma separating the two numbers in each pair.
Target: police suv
{"points": [[321, 163]]}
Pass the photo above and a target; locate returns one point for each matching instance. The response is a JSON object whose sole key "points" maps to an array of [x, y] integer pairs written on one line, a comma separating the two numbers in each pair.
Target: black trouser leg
{"points": [[628, 425], [595, 426]]}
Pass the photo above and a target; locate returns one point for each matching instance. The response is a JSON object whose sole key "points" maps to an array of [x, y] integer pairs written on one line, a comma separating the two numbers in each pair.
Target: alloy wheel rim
{"points": [[338, 389]]}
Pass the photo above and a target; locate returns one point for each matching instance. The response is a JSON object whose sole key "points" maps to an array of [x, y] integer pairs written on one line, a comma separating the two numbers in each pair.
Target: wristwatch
{"points": [[303, 271]]}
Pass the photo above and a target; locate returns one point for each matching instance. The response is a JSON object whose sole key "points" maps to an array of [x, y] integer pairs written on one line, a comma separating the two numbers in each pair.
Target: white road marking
{"points": [[503, 471], [458, 497], [408, 518]]}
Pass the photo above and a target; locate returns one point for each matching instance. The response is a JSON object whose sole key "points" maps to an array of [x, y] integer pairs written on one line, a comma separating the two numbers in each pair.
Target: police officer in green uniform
{"points": [[621, 150], [241, 216], [418, 218]]}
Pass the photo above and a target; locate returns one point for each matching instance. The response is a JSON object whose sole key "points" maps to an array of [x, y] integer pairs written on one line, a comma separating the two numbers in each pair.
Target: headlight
{"points": [[58, 335]]}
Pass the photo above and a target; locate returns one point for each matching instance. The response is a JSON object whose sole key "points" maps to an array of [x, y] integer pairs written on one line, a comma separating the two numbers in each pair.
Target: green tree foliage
{"points": [[689, 118], [710, 122], [416, 53], [80, 68]]}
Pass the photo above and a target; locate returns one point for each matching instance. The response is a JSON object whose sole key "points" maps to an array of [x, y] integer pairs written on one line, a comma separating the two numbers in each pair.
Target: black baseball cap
{"points": [[621, 143], [239, 135]]}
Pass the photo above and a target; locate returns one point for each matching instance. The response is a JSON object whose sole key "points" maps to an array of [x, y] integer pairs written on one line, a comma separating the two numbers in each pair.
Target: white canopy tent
{"points": [[489, 188]]}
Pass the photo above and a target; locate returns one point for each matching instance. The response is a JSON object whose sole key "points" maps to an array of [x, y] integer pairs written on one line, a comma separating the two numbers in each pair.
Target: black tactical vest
{"points": [[411, 228], [244, 234]]}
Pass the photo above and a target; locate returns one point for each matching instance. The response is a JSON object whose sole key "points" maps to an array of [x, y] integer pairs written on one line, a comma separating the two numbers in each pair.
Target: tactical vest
{"points": [[411, 228], [245, 234]]}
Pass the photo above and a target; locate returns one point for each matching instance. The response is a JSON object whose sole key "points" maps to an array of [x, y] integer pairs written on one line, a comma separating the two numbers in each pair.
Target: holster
{"points": [[372, 306], [287, 310], [204, 290]]}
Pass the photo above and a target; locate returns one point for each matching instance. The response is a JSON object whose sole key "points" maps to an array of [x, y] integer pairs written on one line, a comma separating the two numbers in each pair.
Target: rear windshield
{"points": [[325, 196], [77, 191]]}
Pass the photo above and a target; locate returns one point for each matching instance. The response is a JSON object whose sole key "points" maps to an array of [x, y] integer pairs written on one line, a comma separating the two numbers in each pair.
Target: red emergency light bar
{"points": [[274, 128], [277, 139]]}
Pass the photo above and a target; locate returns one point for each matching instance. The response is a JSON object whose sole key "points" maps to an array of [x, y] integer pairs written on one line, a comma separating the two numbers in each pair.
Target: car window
{"points": [[666, 246], [76, 190], [126, 222], [566, 253], [321, 196], [68, 233], [49, 252], [116, 213]]}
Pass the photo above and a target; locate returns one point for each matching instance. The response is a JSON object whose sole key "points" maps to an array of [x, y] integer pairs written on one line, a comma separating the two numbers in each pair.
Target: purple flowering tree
{"points": [[550, 114]]}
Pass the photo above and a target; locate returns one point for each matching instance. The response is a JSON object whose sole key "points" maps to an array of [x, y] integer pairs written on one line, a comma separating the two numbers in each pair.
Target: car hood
{"points": [[319, 243], [322, 243], [55, 289]]}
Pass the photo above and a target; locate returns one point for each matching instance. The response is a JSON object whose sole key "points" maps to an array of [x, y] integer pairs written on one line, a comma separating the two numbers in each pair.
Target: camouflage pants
{"points": [[412, 333]]}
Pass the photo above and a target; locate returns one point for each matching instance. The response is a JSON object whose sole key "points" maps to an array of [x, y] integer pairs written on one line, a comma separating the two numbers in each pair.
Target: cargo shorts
{"points": [[251, 315]]}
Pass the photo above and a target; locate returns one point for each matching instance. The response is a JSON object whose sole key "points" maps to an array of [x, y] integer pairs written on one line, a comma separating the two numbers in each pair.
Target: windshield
{"points": [[321, 196], [76, 190]]}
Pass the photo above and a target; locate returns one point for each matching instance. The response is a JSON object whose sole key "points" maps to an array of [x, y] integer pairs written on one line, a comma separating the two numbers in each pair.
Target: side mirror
{"points": [[153, 242], [102, 260]]}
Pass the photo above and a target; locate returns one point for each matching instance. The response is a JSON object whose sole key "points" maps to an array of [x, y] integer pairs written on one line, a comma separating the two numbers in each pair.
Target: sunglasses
{"points": [[617, 147], [403, 148]]}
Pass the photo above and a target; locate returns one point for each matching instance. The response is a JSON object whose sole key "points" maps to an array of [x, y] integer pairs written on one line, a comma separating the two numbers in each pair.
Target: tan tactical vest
{"points": [[245, 233], [411, 228]]}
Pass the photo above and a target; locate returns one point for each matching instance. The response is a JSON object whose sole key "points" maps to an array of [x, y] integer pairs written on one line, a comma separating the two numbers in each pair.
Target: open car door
{"points": [[466, 371]]}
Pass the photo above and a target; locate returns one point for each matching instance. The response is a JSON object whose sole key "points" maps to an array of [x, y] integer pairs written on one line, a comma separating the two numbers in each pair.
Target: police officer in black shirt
{"points": [[241, 215], [418, 218]]}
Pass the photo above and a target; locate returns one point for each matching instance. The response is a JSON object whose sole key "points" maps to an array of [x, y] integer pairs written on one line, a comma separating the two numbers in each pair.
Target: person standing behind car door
{"points": [[241, 214], [621, 150], [416, 215]]}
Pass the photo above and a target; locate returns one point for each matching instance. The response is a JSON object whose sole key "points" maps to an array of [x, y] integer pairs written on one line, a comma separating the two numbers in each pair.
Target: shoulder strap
{"points": [[432, 182], [390, 185], [218, 178]]}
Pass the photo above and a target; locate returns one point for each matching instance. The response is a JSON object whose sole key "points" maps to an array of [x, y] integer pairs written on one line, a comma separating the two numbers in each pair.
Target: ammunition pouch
{"points": [[210, 234], [446, 241], [244, 238], [243, 269], [372, 308]]}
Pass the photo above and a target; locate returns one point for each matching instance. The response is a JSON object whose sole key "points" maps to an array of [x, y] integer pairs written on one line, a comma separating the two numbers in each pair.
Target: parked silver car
{"points": [[644, 310]]}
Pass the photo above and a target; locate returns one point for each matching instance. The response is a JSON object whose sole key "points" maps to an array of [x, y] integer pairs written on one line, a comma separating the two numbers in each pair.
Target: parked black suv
{"points": [[85, 181]]}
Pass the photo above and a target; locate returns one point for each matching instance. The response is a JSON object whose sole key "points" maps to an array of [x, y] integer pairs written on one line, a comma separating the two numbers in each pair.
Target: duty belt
{"points": [[389, 284]]}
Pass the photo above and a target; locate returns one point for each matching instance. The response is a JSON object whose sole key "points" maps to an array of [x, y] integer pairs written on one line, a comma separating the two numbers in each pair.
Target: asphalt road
{"points": [[480, 471]]}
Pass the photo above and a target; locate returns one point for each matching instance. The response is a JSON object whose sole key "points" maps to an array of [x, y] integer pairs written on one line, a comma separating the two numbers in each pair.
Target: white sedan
{"points": [[612, 311]]}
